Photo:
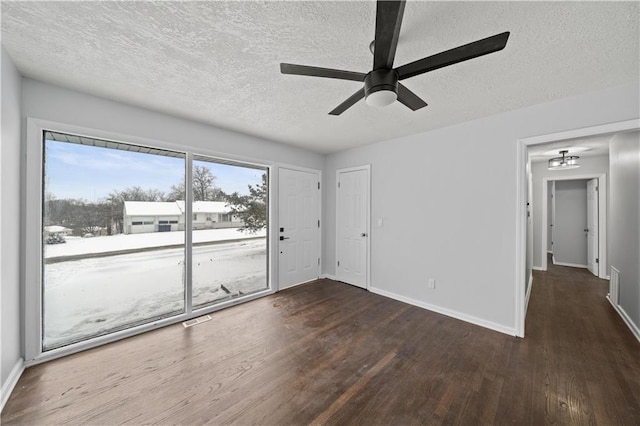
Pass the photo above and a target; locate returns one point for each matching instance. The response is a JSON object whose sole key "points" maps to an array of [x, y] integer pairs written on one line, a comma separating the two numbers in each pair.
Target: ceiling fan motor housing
{"points": [[382, 79]]}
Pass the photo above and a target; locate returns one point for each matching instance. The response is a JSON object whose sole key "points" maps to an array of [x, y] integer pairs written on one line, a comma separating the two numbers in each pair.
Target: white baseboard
{"points": [[526, 303], [297, 284], [538, 268], [572, 265], [444, 311], [328, 276], [634, 328], [11, 382]]}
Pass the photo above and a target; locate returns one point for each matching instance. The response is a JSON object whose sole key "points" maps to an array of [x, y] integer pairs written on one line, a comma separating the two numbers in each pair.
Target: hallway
{"points": [[585, 359]]}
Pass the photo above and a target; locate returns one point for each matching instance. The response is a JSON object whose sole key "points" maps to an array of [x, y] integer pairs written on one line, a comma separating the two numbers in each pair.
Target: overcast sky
{"points": [[91, 173]]}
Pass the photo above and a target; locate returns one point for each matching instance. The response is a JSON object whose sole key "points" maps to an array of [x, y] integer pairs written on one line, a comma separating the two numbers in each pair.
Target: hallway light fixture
{"points": [[565, 162]]}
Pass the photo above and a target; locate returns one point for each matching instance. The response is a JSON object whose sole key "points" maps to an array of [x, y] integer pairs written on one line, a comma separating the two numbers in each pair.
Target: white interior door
{"points": [[592, 226], [352, 226], [298, 226]]}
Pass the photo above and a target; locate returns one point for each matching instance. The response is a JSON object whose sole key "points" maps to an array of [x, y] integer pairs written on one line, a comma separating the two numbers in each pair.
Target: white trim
{"points": [[32, 265], [444, 311], [12, 381], [627, 320], [619, 126], [538, 268], [521, 200], [328, 277], [297, 284], [572, 265], [367, 168], [528, 296], [188, 236], [521, 237], [602, 219]]}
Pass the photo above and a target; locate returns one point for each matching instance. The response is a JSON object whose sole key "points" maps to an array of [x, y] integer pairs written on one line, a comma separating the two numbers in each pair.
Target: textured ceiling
{"points": [[592, 145], [218, 62]]}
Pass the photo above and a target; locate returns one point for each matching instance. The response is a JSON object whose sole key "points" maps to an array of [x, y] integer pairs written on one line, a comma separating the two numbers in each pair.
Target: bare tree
{"points": [[204, 187]]}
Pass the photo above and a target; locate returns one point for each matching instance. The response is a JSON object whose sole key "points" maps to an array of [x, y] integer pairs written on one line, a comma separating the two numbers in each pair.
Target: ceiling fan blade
{"points": [[453, 56], [388, 22], [348, 103], [409, 99], [321, 72]]}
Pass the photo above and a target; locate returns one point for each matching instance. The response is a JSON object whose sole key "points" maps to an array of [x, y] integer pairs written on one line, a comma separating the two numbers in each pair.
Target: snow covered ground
{"points": [[93, 296], [109, 243]]}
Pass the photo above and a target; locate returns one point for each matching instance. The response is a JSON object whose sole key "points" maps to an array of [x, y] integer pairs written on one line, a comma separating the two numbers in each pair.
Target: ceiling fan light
{"points": [[381, 98]]}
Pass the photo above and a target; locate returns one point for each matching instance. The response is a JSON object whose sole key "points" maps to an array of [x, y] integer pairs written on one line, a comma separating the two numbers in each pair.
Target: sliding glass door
{"points": [[117, 220], [229, 255]]}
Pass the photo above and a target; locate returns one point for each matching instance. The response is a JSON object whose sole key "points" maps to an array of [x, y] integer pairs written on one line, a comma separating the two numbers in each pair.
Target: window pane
{"points": [[113, 237], [230, 207]]}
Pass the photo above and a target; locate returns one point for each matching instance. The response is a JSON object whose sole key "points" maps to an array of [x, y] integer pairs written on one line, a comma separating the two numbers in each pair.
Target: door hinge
{"points": [[338, 263], [597, 260], [338, 184], [597, 188], [318, 223], [318, 185], [318, 261]]}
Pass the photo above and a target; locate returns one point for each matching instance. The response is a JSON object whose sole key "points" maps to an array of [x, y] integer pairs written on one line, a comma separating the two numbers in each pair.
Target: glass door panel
{"points": [[230, 222], [113, 237]]}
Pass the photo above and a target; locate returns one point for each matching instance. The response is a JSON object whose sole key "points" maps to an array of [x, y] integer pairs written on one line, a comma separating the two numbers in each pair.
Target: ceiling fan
{"points": [[382, 84]]}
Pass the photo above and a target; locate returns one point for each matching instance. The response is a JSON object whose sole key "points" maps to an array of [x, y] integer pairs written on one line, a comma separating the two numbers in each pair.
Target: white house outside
{"points": [[56, 230], [151, 216]]}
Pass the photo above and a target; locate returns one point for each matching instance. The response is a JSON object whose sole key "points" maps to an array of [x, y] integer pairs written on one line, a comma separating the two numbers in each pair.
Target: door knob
{"points": [[363, 234], [284, 238], [586, 230]]}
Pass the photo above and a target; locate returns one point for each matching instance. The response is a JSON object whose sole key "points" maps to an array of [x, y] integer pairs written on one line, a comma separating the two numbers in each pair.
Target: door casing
{"points": [[593, 227], [602, 217], [521, 211]]}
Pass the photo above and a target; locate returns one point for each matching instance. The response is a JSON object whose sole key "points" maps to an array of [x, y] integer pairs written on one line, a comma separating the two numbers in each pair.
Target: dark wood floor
{"points": [[331, 353]]}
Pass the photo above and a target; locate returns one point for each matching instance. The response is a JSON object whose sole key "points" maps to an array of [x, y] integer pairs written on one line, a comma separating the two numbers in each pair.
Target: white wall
{"points": [[48, 102], [10, 353], [569, 239], [588, 166], [625, 220], [448, 199]]}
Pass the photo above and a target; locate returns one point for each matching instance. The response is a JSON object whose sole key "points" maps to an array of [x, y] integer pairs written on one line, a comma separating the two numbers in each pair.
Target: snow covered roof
{"points": [[207, 206], [210, 207], [173, 208], [56, 228], [151, 208]]}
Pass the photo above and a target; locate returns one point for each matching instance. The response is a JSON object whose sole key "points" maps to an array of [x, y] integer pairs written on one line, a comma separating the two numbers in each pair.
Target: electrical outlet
{"points": [[432, 283]]}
